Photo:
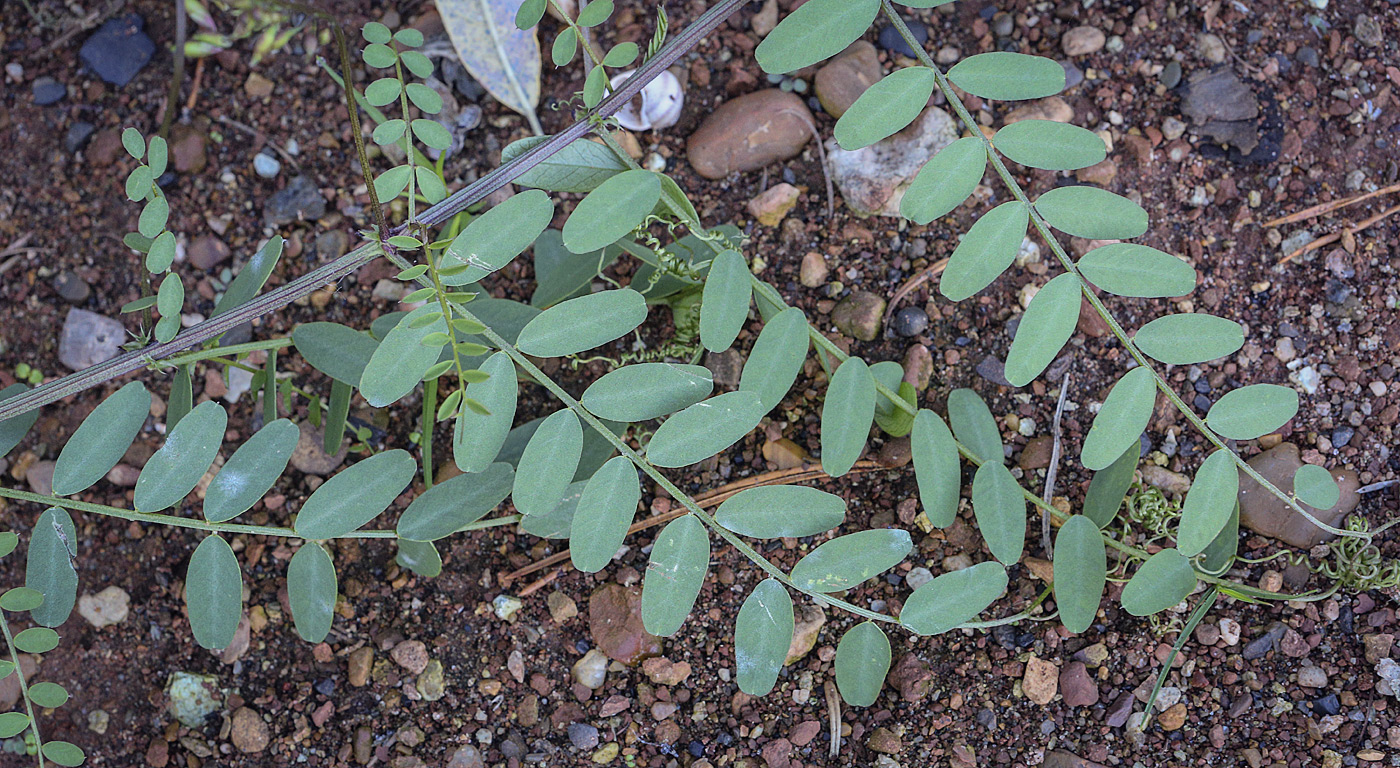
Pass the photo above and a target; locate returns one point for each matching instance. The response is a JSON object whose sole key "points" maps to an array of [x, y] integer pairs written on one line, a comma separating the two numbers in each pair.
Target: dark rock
{"points": [[118, 50], [1257, 648], [1120, 710], [993, 370], [78, 135], [1328, 705], [325, 687], [1223, 108], [72, 288], [910, 321], [1307, 56], [987, 719], [911, 676], [583, 736], [1262, 512], [462, 80], [1077, 686], [891, 40], [300, 200], [47, 91], [1170, 77], [1342, 435], [1073, 74], [88, 339]]}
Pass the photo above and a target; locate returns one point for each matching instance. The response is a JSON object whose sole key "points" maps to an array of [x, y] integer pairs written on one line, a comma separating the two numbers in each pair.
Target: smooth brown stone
{"points": [[749, 132]]}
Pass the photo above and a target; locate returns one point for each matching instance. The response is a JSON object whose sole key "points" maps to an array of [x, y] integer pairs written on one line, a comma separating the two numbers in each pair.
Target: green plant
{"points": [[268, 22], [574, 474]]}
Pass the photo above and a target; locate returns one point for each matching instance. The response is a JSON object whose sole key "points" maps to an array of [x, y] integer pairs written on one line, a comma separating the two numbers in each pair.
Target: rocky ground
{"points": [[1221, 118]]}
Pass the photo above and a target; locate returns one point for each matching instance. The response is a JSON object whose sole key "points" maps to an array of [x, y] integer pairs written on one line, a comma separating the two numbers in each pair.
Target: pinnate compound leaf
{"points": [[1050, 145], [64, 753], [774, 511], [724, 305], [101, 440], [862, 661], [604, 512], [252, 470], [1092, 213], [492, 239], [36, 640], [1161, 582], [705, 429], [936, 468], [502, 57], [214, 593], [953, 598], [1007, 76], [477, 438], [13, 723], [53, 549], [945, 181], [762, 635], [355, 496], [1081, 569], [189, 450], [1208, 504], [849, 560], [1129, 269], [885, 108], [974, 426], [311, 591], [987, 249], [48, 695], [421, 557], [846, 416], [1110, 485], [13, 429], [583, 323], [399, 362], [1000, 510], [776, 357], [1316, 487], [647, 391], [339, 351], [680, 557], [817, 30], [1253, 411], [443, 509], [1121, 420], [612, 210], [579, 167], [548, 463], [1186, 339], [1045, 328]]}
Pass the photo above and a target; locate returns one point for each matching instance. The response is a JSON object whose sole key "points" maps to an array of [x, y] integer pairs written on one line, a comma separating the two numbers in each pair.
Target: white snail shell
{"points": [[657, 106]]}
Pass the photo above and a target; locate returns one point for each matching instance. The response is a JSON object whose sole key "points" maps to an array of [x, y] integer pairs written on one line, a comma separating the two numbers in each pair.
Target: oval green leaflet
{"points": [[1161, 582], [817, 30], [311, 591], [154, 216], [776, 357], [1208, 504], [618, 206], [561, 273], [1253, 411], [1045, 328], [421, 557], [1000, 510], [953, 598], [492, 239], [1316, 487], [1050, 145], [680, 557], [214, 593], [556, 523], [252, 470], [849, 560], [885, 108], [1110, 485], [399, 362], [64, 753], [443, 509], [647, 391], [36, 640], [605, 510], [724, 306], [579, 167], [773, 511], [1121, 420], [936, 468], [945, 181], [101, 440], [1005, 76], [580, 324], [13, 723], [974, 426], [1129, 269], [705, 429], [762, 635], [1092, 213], [862, 661], [1081, 569], [21, 599], [355, 495], [987, 249], [162, 253], [8, 542], [548, 463], [48, 695], [50, 571], [189, 450], [846, 416], [13, 430], [251, 277], [1186, 339], [477, 438]]}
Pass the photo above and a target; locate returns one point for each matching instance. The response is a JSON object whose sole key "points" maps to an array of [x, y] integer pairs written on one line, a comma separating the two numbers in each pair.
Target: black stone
{"points": [[47, 91], [993, 370], [1307, 56], [697, 749], [1342, 435], [910, 321], [78, 135], [1328, 705], [1005, 636], [72, 288], [1202, 403], [118, 50], [987, 719], [325, 687], [891, 41], [1202, 386]]}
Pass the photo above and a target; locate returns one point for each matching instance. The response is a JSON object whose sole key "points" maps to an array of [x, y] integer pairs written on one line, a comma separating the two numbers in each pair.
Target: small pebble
{"points": [[891, 40], [47, 91], [266, 165], [910, 321]]}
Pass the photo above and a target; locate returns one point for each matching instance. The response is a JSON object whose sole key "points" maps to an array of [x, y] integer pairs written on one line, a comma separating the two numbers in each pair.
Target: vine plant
{"points": [[574, 474]]}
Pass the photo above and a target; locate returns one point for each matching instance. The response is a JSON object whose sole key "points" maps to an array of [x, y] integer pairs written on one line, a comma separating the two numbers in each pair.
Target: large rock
{"points": [[846, 76], [615, 623], [1223, 108], [300, 200], [88, 339], [118, 50], [873, 179], [749, 132], [1265, 513]]}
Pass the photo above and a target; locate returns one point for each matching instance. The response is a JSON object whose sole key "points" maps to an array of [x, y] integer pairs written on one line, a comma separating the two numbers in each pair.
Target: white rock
{"points": [[872, 180], [1312, 677], [591, 669], [106, 608], [1230, 631], [918, 577], [657, 106]]}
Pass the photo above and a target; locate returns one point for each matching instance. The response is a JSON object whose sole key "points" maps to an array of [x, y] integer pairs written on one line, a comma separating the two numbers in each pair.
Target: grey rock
{"points": [[300, 200], [72, 288], [909, 321], [1368, 31], [725, 367], [1170, 76], [1258, 647], [467, 757], [1307, 55], [892, 41], [88, 339], [78, 135], [461, 80], [583, 736], [1223, 108], [118, 50], [1073, 74], [266, 165], [872, 180], [310, 455], [993, 370], [47, 91], [1262, 512]]}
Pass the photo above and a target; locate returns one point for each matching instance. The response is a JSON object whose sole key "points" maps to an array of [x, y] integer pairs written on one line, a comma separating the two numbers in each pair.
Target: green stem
{"points": [[233, 350], [425, 433], [23, 688], [1182, 637]]}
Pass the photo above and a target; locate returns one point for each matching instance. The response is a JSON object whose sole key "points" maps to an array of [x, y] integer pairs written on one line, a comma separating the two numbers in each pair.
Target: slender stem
{"points": [[425, 432], [23, 688], [1045, 232], [232, 349], [1207, 601]]}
